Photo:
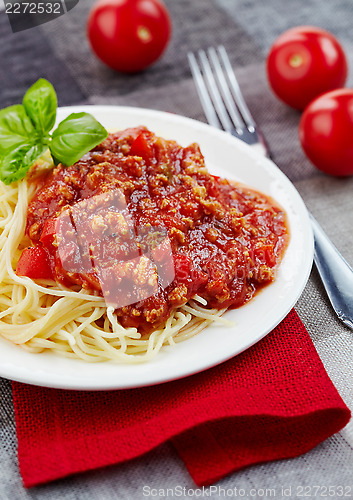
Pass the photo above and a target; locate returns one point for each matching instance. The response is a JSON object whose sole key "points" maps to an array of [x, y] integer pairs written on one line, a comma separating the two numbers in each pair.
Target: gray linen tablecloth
{"points": [[59, 52]]}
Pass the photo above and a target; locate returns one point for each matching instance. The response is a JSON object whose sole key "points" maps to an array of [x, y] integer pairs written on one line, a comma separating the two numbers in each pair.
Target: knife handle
{"points": [[336, 274]]}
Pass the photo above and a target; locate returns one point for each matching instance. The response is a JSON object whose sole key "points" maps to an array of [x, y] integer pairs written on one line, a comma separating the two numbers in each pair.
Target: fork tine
{"points": [[214, 92], [222, 100], [238, 96], [203, 92], [224, 88]]}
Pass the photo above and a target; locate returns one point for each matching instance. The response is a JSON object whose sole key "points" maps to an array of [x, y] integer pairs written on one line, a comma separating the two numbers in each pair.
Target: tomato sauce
{"points": [[148, 200]]}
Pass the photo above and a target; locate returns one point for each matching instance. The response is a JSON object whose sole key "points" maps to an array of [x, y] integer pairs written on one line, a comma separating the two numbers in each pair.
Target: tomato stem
{"points": [[296, 60], [144, 34]]}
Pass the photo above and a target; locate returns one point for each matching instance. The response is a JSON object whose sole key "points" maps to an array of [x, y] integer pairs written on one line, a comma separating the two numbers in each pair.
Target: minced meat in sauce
{"points": [[226, 241]]}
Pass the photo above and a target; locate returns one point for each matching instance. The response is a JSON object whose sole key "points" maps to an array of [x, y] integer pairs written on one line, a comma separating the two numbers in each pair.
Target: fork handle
{"points": [[336, 274]]}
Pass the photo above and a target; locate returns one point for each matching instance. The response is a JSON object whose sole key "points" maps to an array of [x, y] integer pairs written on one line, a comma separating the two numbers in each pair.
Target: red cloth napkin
{"points": [[273, 401]]}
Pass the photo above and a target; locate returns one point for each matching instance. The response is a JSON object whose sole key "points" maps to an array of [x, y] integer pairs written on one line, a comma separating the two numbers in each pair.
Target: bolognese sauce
{"points": [[145, 199]]}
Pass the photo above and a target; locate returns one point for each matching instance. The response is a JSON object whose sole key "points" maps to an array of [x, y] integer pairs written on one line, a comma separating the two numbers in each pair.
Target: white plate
{"points": [[227, 157]]}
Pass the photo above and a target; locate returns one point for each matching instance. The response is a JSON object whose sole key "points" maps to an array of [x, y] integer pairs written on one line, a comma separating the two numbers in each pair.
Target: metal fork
{"points": [[225, 108], [221, 97]]}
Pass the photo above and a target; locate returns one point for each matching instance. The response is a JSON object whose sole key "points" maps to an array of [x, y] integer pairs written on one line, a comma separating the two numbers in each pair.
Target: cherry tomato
{"points": [[303, 63], [326, 132], [129, 35]]}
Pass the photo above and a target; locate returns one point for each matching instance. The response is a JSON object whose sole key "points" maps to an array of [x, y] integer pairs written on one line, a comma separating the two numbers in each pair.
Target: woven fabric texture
{"points": [[273, 401]]}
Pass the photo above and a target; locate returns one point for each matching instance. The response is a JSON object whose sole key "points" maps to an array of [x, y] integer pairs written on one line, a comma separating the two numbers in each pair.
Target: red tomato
{"points": [[326, 132], [303, 63], [129, 35], [182, 267], [48, 233], [34, 263], [141, 147]]}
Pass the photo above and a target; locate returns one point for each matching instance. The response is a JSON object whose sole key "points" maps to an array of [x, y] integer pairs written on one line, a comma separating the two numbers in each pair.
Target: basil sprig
{"points": [[25, 133]]}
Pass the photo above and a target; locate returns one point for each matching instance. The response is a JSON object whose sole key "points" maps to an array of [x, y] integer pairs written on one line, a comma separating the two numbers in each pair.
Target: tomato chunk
{"points": [[186, 272], [141, 147], [34, 263], [182, 267], [48, 232]]}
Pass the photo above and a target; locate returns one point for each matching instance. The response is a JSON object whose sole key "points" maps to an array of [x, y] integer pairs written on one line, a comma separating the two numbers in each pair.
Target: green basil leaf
{"points": [[40, 103], [16, 128], [75, 136], [15, 165]]}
